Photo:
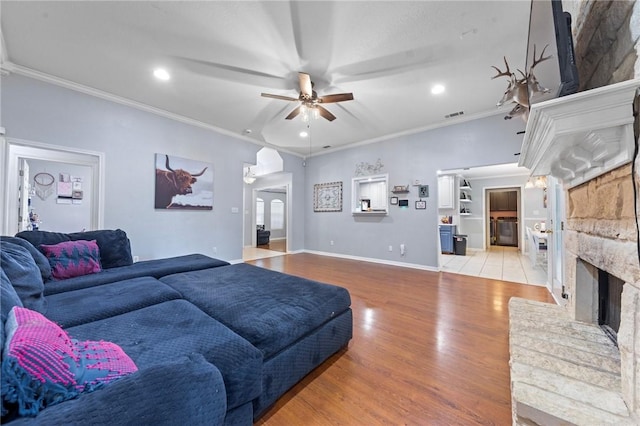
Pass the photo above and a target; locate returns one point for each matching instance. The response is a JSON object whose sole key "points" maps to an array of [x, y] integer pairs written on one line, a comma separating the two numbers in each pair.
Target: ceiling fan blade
{"points": [[325, 113], [294, 113], [284, 98], [339, 97], [305, 84]]}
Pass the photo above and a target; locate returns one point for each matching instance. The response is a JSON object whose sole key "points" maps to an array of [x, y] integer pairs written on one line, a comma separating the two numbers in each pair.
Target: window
{"points": [[259, 211], [277, 214]]}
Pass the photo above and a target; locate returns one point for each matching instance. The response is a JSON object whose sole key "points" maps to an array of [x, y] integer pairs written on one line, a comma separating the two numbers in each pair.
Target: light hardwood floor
{"points": [[428, 348]]}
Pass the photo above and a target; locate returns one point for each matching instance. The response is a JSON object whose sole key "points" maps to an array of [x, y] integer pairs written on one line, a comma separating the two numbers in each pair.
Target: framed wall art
{"points": [[327, 197], [183, 184], [421, 205]]}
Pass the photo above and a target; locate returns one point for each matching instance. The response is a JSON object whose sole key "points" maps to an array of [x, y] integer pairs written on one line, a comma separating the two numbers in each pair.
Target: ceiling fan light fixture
{"points": [[248, 177]]}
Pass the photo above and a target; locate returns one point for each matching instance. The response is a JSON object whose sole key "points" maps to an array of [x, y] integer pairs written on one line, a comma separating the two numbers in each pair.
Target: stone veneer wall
{"points": [[601, 230], [606, 40], [600, 214]]}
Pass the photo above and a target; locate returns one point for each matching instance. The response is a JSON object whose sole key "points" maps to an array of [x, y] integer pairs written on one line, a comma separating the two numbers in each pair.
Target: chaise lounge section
{"points": [[243, 334]]}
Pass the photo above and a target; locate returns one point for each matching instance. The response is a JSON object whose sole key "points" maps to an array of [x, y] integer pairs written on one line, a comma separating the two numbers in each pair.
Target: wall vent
{"points": [[454, 114]]}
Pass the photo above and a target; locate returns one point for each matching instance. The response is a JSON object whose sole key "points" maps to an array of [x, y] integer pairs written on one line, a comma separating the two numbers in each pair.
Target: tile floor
{"points": [[502, 263]]}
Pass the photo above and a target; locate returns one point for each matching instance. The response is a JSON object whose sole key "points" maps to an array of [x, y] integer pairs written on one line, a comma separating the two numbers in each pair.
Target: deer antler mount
{"points": [[518, 89]]}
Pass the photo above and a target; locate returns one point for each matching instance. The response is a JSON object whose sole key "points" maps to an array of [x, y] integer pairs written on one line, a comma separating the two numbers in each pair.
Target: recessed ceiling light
{"points": [[304, 134], [161, 74], [437, 89]]}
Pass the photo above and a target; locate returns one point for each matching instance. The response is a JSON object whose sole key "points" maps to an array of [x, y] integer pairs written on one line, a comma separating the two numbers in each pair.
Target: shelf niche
{"points": [[369, 195]]}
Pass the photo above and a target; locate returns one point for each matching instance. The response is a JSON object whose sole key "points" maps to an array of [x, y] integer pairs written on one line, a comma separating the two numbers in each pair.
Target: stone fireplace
{"points": [[564, 367]]}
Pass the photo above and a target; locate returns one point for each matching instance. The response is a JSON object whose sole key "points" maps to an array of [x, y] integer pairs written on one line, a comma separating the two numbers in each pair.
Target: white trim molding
{"points": [[579, 137]]}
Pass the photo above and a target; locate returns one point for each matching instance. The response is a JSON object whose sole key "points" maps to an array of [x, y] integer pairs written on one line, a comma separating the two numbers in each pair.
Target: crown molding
{"points": [[579, 137], [10, 67]]}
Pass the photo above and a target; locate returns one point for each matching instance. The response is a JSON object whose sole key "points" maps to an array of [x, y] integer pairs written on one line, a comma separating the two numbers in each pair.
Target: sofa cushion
{"points": [[270, 309], [43, 366], [40, 259], [176, 328], [8, 299], [153, 268], [115, 248], [94, 303], [24, 275], [70, 259]]}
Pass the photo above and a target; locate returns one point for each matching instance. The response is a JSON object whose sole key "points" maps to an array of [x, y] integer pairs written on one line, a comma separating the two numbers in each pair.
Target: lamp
{"points": [[536, 182], [248, 177]]}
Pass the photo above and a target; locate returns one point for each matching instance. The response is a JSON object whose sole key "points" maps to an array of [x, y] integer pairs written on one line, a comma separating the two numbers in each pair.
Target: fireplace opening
{"points": [[609, 303]]}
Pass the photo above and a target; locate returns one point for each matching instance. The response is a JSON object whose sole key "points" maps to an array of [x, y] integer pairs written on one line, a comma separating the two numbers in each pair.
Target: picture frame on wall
{"points": [[183, 184], [327, 197], [421, 205], [393, 201]]}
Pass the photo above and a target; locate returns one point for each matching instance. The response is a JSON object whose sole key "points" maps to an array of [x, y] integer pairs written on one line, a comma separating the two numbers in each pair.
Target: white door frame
{"points": [[556, 217], [15, 149], [486, 215]]}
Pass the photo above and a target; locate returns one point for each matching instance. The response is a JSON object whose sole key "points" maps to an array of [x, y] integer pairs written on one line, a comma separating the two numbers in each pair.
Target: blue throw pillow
{"points": [[24, 275], [41, 260]]}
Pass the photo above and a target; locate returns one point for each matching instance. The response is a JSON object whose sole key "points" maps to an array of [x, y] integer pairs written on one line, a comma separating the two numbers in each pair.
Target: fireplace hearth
{"points": [[565, 366]]}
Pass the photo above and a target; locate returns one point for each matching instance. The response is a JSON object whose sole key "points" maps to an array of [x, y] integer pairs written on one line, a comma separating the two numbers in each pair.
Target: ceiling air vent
{"points": [[454, 114]]}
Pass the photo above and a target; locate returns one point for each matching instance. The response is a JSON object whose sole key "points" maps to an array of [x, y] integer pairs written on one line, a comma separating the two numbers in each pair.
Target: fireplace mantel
{"points": [[579, 137]]}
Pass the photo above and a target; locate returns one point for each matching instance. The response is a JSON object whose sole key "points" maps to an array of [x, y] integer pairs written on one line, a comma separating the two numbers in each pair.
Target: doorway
{"points": [[273, 192], [503, 217], [14, 192]]}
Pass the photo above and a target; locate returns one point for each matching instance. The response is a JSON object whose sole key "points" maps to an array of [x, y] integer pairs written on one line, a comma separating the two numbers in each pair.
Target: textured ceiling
{"points": [[223, 54]]}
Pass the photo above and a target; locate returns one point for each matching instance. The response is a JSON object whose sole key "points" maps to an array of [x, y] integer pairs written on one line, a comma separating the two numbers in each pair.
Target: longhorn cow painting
{"points": [[183, 184]]}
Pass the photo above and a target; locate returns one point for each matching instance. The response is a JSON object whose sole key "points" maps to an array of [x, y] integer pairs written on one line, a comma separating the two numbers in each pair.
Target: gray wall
{"points": [[481, 142], [38, 111], [42, 112]]}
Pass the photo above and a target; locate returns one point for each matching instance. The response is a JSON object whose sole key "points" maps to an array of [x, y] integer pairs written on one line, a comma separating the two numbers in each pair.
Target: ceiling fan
{"points": [[310, 101]]}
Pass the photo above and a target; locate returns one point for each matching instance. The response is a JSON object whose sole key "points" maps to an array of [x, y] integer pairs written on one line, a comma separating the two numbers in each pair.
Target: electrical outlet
{"points": [[135, 259], [331, 242], [215, 250], [390, 248], [401, 249]]}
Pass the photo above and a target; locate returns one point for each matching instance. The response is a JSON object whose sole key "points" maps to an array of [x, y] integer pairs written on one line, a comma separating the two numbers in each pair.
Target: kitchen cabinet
{"points": [[446, 238], [503, 201], [446, 192]]}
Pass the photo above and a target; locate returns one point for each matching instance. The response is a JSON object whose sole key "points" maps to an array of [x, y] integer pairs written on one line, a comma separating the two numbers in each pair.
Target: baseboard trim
{"points": [[372, 260]]}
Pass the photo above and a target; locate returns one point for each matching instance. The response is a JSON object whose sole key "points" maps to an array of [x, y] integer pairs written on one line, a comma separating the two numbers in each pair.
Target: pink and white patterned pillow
{"points": [[70, 259], [42, 365]]}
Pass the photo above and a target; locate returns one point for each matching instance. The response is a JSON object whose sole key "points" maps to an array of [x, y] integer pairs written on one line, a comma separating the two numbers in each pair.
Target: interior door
{"points": [[555, 227], [24, 223]]}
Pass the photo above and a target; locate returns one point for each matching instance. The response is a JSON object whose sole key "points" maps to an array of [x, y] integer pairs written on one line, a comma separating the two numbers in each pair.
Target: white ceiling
{"points": [[223, 54]]}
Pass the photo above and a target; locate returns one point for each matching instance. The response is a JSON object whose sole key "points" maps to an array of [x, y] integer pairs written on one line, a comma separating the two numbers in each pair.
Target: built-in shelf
{"points": [[465, 188], [371, 213], [465, 214], [465, 200]]}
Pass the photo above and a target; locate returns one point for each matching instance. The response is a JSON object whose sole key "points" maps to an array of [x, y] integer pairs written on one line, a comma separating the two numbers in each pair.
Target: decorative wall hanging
{"points": [[327, 197], [43, 183], [365, 169], [519, 89], [183, 184]]}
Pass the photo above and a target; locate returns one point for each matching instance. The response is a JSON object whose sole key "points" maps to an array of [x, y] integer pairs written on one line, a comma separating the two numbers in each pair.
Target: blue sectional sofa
{"points": [[213, 343]]}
